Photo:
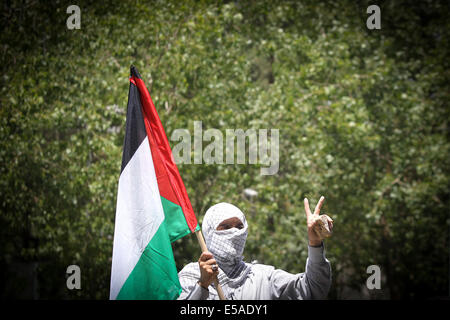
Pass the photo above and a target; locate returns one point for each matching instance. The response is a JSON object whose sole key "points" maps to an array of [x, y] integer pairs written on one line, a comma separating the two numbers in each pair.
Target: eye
{"points": [[223, 226]]}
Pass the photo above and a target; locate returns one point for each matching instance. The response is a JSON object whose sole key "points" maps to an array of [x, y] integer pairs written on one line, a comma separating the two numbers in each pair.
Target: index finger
{"points": [[307, 209], [206, 256]]}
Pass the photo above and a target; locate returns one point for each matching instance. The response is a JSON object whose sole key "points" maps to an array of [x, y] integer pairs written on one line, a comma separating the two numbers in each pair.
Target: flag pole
{"points": [[202, 243]]}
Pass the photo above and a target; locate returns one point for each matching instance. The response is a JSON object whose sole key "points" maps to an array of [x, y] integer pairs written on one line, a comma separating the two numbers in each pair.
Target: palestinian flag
{"points": [[153, 208]]}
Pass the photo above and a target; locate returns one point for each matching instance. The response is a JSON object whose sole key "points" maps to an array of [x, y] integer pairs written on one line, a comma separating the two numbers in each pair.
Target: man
{"points": [[225, 230]]}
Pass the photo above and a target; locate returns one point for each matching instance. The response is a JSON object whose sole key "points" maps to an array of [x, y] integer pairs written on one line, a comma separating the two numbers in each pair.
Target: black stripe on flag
{"points": [[135, 128], [134, 72]]}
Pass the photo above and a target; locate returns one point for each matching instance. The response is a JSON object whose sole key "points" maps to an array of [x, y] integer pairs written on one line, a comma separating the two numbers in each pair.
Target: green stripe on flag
{"points": [[155, 275], [177, 226]]}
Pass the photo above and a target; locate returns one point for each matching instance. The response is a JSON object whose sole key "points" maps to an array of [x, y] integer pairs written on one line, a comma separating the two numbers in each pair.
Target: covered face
{"points": [[227, 245]]}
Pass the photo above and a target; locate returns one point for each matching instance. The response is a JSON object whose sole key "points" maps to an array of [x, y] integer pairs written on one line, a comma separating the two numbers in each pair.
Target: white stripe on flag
{"points": [[139, 214]]}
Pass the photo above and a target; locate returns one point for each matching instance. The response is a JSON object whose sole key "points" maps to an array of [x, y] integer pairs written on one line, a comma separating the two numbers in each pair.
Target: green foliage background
{"points": [[363, 119]]}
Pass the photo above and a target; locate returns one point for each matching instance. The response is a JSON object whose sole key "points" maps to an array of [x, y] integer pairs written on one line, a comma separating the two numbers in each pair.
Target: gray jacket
{"points": [[263, 282]]}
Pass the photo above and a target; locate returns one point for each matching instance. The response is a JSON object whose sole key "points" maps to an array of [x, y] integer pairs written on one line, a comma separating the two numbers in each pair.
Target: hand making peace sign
{"points": [[319, 227]]}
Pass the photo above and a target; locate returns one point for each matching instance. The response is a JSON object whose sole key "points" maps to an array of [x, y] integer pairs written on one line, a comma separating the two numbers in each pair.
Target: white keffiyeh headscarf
{"points": [[227, 246]]}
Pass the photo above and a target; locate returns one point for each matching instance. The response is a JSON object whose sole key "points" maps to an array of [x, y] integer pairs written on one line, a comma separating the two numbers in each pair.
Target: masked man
{"points": [[225, 230]]}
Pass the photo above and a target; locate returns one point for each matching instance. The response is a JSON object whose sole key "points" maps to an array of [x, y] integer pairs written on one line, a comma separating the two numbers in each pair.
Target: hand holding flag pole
{"points": [[202, 243]]}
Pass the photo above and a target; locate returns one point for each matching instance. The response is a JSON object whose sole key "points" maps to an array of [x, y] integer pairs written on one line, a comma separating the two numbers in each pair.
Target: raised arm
{"points": [[315, 282]]}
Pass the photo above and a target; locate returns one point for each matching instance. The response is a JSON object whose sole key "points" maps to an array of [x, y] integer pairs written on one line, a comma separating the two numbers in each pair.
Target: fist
{"points": [[208, 269], [319, 226]]}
